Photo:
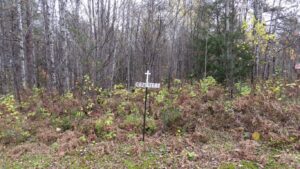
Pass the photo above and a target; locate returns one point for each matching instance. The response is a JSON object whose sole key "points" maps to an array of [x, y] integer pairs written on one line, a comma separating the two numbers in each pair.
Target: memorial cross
{"points": [[146, 85]]}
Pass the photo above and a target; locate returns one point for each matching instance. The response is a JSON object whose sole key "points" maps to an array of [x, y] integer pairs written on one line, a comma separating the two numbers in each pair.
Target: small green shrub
{"points": [[170, 116], [206, 83], [79, 114], [122, 108], [88, 86], [161, 96], [55, 146], [274, 88], [243, 89], [12, 122], [41, 112], [191, 155], [110, 135], [151, 125], [119, 86], [68, 96], [14, 135], [102, 126], [83, 139], [227, 166], [9, 104], [272, 164], [148, 161], [177, 82], [63, 123], [248, 165], [99, 127], [133, 120]]}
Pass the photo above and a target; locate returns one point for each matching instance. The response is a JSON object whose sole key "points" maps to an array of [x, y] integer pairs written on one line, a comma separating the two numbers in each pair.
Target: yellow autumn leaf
{"points": [[256, 136]]}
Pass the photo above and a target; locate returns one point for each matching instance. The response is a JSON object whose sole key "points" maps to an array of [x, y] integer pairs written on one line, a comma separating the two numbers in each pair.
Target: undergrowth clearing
{"points": [[188, 126]]}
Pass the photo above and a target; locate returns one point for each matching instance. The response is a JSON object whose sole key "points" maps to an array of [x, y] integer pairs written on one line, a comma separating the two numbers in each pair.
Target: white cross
{"points": [[147, 77], [147, 84]]}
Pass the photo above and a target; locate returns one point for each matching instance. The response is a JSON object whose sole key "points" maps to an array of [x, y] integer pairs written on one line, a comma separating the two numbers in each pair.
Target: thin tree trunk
{"points": [[115, 46], [228, 55], [14, 59], [2, 54], [63, 46], [29, 45], [49, 42], [129, 42], [21, 43], [205, 62]]}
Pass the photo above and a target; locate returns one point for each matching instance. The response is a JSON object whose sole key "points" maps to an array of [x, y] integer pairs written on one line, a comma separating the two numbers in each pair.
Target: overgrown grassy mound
{"points": [[188, 126]]}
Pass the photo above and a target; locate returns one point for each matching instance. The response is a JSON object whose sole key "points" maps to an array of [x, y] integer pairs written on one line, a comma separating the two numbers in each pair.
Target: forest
{"points": [[72, 74]]}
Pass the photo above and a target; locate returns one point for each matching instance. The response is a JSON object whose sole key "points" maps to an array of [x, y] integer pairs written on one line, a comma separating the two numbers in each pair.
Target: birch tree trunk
{"points": [[21, 43], [258, 18], [115, 46], [49, 45]]}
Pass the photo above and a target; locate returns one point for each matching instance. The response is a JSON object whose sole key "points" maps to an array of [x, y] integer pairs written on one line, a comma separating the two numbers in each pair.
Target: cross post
{"points": [[146, 85]]}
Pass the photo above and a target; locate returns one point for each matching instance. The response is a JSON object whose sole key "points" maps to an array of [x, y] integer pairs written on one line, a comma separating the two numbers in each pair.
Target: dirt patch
{"points": [[247, 150], [47, 136], [68, 141]]}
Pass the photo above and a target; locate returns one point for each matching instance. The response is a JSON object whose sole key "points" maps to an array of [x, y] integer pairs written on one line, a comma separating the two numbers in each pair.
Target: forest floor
{"points": [[188, 126]]}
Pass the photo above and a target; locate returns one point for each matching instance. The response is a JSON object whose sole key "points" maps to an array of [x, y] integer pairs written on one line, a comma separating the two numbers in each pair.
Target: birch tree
{"points": [[21, 43]]}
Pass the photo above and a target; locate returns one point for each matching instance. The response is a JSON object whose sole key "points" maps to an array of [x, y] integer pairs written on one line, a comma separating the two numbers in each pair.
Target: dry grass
{"points": [[103, 131]]}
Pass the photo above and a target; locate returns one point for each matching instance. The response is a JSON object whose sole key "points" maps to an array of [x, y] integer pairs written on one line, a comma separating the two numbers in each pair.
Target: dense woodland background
{"points": [[56, 43]]}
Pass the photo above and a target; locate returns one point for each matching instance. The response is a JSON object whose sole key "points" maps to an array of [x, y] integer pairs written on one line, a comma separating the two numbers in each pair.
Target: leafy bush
{"points": [[177, 83], [274, 88], [68, 96], [79, 114], [206, 83], [9, 104], [88, 86], [64, 123], [12, 123], [133, 120], [161, 96], [102, 126], [170, 116], [109, 135], [151, 126], [243, 89], [123, 107], [14, 135]]}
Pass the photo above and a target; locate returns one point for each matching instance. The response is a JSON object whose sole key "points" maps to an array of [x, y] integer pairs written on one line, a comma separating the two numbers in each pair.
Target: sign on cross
{"points": [[146, 85]]}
